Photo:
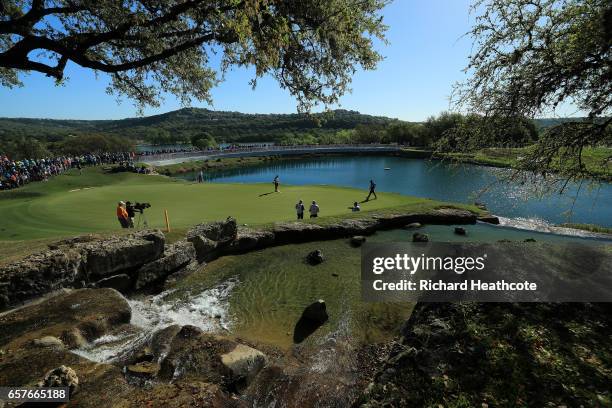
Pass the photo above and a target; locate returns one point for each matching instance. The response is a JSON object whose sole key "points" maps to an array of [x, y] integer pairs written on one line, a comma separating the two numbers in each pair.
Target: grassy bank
{"points": [[75, 204], [588, 227], [215, 164], [593, 159]]}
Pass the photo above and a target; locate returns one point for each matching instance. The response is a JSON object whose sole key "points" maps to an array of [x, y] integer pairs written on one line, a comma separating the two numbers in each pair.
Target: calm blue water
{"points": [[435, 180]]}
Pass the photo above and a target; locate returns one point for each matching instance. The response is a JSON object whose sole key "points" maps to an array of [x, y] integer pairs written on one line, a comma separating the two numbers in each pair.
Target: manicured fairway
{"points": [[72, 204]]}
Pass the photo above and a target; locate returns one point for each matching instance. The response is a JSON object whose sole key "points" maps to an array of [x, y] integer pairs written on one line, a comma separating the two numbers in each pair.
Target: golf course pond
{"points": [[518, 205]]}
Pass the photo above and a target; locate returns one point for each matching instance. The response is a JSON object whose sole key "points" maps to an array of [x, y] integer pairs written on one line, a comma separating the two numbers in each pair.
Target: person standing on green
{"points": [[276, 183], [372, 190], [299, 209]]}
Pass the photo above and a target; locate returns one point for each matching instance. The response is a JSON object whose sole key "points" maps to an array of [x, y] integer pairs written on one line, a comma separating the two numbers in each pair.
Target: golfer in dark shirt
{"points": [[372, 190]]}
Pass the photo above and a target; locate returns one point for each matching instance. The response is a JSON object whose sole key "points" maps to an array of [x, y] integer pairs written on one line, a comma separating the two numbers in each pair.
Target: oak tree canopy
{"points": [[531, 56], [147, 47]]}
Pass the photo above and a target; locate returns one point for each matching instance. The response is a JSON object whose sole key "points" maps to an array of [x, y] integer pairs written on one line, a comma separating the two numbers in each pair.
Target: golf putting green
{"points": [[74, 204]]}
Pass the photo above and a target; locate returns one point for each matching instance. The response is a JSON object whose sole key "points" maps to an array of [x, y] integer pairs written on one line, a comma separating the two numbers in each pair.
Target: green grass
{"points": [[593, 158], [212, 164], [69, 205], [588, 227]]}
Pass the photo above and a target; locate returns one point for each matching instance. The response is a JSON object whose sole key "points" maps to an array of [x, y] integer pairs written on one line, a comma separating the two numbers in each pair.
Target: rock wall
{"points": [[120, 262], [139, 260]]}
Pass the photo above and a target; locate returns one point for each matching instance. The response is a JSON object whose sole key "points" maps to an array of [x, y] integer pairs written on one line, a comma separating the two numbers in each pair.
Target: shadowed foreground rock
{"points": [[499, 355], [182, 366]]}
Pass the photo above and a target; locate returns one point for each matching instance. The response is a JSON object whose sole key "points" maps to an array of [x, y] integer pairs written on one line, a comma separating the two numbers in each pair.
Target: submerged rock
{"points": [[413, 225], [312, 318], [316, 312], [315, 257], [357, 240], [418, 237], [460, 231]]}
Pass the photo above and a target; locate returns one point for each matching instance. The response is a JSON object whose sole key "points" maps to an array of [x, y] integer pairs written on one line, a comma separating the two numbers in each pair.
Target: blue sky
{"points": [[424, 58]]}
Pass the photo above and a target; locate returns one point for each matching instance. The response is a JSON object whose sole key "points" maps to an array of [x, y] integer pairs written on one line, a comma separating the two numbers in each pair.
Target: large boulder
{"points": [[194, 355], [121, 253], [489, 219], [316, 312], [206, 249], [61, 376], [357, 240], [418, 237], [38, 274], [220, 231], [77, 262], [315, 257], [312, 318], [244, 362], [460, 231], [176, 256], [249, 239], [83, 313]]}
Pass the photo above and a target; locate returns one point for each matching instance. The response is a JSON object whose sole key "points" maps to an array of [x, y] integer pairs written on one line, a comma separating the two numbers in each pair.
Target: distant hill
{"points": [[182, 124]]}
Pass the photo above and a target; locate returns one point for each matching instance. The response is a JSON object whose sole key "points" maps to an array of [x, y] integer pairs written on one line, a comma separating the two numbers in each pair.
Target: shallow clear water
{"points": [[436, 180]]}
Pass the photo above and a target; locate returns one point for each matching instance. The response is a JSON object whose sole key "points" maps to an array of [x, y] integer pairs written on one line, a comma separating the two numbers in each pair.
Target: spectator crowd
{"points": [[16, 173]]}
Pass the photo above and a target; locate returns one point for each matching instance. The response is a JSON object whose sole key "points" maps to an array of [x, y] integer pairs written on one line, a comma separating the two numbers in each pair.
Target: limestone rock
{"points": [[249, 239], [48, 341], [75, 261], [206, 249], [316, 312], [413, 225], [145, 369], [357, 240], [193, 354], [61, 376], [79, 315], [38, 274], [460, 231], [489, 219], [116, 254], [315, 257], [121, 282], [418, 237], [220, 231], [175, 257], [244, 362]]}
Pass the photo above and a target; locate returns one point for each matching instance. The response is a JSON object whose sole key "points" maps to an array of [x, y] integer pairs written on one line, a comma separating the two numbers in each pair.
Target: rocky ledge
{"points": [[143, 259]]}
